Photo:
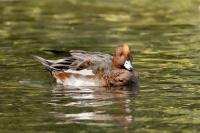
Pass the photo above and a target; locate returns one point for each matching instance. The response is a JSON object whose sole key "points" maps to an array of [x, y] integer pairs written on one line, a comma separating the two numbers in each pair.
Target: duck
{"points": [[85, 68]]}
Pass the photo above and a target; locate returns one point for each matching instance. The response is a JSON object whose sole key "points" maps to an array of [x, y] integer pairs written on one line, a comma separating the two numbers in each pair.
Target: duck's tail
{"points": [[46, 63]]}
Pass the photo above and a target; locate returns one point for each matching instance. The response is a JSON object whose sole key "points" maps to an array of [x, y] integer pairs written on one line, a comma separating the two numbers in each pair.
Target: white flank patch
{"points": [[84, 72], [59, 81], [128, 65], [72, 81]]}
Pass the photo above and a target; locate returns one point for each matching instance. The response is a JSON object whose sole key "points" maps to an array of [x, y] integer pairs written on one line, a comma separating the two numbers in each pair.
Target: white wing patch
{"points": [[84, 72]]}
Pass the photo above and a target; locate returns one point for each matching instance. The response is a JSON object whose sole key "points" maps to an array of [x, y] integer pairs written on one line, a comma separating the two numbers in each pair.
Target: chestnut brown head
{"points": [[122, 57]]}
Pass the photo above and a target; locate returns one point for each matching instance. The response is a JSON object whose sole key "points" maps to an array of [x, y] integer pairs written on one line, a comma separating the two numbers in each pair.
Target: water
{"points": [[165, 38]]}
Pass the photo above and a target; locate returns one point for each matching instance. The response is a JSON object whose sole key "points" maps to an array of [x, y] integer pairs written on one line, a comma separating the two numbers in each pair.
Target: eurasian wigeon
{"points": [[82, 68]]}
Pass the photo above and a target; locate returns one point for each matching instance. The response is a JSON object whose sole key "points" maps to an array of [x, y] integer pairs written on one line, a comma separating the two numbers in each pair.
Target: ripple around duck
{"points": [[91, 96]]}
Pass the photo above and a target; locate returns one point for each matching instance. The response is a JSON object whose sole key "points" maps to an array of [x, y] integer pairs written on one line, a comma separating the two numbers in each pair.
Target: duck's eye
{"points": [[121, 80]]}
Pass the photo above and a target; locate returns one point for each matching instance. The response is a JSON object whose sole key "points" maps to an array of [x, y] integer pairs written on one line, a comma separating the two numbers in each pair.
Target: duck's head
{"points": [[122, 58]]}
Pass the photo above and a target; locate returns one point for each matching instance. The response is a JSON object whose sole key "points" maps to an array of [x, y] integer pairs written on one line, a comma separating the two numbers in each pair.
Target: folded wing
{"points": [[79, 60]]}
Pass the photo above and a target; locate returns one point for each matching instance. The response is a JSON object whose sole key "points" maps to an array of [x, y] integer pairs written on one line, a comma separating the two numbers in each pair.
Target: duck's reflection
{"points": [[94, 105]]}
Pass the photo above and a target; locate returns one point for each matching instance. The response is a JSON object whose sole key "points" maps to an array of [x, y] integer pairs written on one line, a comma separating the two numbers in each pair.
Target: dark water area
{"points": [[165, 38]]}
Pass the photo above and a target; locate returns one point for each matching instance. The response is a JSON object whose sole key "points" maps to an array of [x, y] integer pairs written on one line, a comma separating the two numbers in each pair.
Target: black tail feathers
{"points": [[59, 53], [44, 62]]}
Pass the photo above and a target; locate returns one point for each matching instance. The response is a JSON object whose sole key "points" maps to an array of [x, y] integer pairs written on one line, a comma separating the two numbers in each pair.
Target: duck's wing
{"points": [[91, 60], [79, 60]]}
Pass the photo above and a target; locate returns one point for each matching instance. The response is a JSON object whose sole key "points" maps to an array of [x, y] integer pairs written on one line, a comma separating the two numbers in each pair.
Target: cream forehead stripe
{"points": [[125, 48], [84, 72]]}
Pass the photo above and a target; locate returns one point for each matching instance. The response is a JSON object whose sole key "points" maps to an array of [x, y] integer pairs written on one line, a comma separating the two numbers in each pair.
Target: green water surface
{"points": [[165, 38]]}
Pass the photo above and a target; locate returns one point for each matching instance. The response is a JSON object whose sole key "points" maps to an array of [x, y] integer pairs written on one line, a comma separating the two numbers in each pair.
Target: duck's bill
{"points": [[128, 65]]}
